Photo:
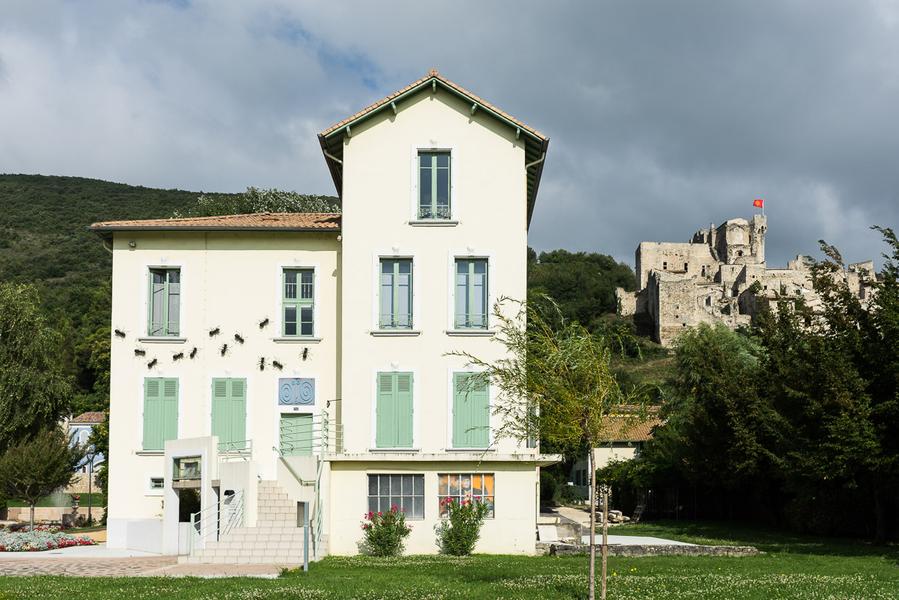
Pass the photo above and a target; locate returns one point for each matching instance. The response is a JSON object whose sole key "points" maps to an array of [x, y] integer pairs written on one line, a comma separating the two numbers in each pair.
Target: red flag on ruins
{"points": [[758, 203]]}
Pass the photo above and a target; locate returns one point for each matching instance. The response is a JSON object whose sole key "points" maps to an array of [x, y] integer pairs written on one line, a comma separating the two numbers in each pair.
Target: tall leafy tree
{"points": [[255, 200], [556, 384], [582, 283], [38, 467], [35, 392]]}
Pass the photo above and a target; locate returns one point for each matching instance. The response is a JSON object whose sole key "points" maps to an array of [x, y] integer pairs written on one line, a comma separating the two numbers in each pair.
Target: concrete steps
{"points": [[275, 539]]}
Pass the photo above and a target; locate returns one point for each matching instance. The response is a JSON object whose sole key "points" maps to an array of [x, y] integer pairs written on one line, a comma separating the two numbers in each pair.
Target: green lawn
{"points": [[792, 567]]}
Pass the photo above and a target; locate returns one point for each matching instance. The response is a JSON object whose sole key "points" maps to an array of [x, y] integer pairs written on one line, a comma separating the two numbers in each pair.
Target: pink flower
{"points": [[380, 514]]}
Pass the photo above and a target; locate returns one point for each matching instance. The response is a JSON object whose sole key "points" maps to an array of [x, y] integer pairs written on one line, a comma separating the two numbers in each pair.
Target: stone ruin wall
{"points": [[712, 278]]}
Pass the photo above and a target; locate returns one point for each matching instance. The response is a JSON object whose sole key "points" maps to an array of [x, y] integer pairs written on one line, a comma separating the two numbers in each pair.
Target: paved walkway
{"points": [[85, 567], [100, 561]]}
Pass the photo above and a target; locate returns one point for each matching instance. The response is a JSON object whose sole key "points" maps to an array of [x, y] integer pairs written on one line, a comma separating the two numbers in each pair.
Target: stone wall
{"points": [[720, 276]]}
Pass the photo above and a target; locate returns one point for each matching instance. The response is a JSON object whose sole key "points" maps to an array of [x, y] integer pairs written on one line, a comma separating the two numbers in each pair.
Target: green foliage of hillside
{"points": [[582, 283]]}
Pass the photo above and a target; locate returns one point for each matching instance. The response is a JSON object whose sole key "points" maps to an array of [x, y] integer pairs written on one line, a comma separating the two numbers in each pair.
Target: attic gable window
{"points": [[434, 185]]}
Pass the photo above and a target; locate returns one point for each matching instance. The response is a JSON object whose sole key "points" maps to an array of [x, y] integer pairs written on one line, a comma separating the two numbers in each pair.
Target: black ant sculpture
{"points": [[193, 352], [152, 363], [224, 349], [119, 333], [214, 332]]}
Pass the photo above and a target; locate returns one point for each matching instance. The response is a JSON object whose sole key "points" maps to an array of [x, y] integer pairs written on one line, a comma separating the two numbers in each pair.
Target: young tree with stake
{"points": [[555, 384]]}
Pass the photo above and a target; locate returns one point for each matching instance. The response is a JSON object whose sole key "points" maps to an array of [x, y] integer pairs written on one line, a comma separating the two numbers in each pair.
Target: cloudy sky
{"points": [[664, 116]]}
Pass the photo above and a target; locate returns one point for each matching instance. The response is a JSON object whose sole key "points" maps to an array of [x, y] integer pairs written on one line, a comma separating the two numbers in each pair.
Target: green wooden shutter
{"points": [[238, 412], [160, 412], [152, 414], [385, 434], [403, 403], [169, 409], [393, 411], [220, 410], [471, 413]]}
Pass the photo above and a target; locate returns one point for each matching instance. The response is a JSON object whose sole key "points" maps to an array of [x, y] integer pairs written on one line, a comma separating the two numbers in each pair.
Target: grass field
{"points": [[792, 567]]}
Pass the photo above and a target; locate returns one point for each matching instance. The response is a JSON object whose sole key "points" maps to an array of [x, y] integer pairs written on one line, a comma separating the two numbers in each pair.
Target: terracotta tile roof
{"points": [[249, 222], [89, 418], [432, 74], [622, 429]]}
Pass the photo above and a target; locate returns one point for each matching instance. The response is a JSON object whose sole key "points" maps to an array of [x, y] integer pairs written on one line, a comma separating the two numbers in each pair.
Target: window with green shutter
{"points": [[434, 185], [164, 305], [394, 410], [396, 293], [471, 293], [297, 301], [471, 411], [160, 412], [229, 413]]}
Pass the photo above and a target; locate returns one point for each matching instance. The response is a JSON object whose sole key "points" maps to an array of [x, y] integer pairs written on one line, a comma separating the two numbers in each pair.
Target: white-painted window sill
{"points": [[471, 332], [162, 340], [296, 340], [149, 453], [433, 223], [395, 333], [481, 450], [395, 450]]}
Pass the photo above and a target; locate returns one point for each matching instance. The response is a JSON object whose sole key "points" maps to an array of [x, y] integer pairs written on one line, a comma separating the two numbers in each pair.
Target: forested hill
{"points": [[43, 229]]}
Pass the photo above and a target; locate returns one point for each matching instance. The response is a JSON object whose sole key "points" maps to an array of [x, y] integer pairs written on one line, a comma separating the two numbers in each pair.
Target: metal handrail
{"points": [[321, 435], [202, 520], [241, 448]]}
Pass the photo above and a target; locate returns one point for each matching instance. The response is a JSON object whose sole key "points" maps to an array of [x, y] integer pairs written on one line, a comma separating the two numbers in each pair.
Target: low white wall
{"points": [[135, 534]]}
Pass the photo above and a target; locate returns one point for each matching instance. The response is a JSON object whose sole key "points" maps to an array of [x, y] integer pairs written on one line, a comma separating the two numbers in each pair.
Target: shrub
{"points": [[385, 532], [458, 534]]}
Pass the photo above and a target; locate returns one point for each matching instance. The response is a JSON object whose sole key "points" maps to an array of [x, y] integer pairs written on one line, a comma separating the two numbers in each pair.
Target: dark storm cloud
{"points": [[664, 116]]}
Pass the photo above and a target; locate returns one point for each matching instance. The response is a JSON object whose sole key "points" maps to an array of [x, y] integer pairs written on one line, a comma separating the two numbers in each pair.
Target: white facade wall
{"points": [[230, 281], [380, 196], [379, 200]]}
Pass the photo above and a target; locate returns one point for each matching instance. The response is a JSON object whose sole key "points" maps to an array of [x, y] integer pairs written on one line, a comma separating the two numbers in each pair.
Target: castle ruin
{"points": [[720, 276]]}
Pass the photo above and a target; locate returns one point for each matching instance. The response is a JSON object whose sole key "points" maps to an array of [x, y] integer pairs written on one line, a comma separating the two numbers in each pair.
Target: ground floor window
{"points": [[467, 486], [404, 491]]}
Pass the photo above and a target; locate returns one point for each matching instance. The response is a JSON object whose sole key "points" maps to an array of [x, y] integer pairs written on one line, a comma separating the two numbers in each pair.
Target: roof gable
{"points": [[536, 144]]}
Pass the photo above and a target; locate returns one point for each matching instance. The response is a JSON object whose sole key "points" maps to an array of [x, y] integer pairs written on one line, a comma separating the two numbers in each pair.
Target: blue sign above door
{"points": [[294, 391]]}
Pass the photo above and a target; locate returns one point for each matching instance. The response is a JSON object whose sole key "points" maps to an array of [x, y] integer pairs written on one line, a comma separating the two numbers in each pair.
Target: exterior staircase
{"points": [[276, 538]]}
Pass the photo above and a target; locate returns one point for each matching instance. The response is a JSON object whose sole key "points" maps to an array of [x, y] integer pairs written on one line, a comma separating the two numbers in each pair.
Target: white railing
{"points": [[212, 522], [306, 437], [242, 449], [319, 436]]}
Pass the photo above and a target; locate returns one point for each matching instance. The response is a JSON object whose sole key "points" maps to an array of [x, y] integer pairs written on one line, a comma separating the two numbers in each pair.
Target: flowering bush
{"points": [[385, 532], [458, 534], [40, 538]]}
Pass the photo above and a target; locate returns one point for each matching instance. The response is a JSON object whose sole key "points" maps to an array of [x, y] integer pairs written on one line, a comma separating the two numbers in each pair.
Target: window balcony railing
{"points": [[434, 212]]}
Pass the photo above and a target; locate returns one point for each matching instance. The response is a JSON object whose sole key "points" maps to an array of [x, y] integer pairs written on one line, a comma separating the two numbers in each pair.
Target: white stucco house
{"points": [[270, 368]]}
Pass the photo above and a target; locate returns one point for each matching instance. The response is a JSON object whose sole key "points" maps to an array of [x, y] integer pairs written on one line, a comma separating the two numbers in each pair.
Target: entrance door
{"points": [[296, 434], [229, 413]]}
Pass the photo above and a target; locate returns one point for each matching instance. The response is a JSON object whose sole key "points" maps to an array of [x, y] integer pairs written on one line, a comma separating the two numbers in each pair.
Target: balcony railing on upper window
{"points": [[471, 320], [432, 212]]}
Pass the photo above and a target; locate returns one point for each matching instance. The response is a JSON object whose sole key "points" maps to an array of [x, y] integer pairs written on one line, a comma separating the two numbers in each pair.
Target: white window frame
{"points": [[424, 496], [451, 292], [433, 146], [395, 254], [183, 313], [278, 320]]}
